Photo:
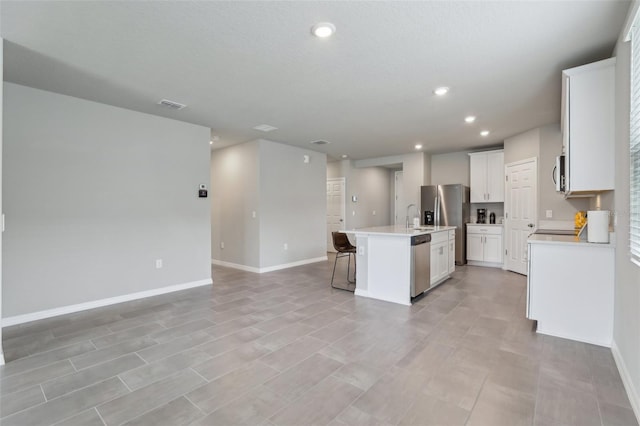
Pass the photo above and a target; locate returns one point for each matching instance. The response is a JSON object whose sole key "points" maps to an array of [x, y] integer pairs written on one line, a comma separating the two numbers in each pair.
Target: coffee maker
{"points": [[482, 216]]}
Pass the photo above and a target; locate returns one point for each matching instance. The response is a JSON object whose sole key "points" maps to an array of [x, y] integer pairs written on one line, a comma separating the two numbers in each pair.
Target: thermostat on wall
{"points": [[202, 191]]}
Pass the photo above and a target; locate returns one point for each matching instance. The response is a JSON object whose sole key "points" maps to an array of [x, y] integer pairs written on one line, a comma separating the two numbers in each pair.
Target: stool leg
{"points": [[334, 269]]}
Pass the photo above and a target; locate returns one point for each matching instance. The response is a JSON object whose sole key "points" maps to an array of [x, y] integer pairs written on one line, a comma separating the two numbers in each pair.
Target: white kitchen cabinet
{"points": [[588, 127], [486, 173], [443, 256], [484, 245], [570, 288]]}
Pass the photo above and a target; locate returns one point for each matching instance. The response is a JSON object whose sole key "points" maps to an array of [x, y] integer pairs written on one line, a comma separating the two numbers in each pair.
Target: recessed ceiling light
{"points": [[265, 128], [418, 146], [470, 119], [320, 142], [171, 104], [345, 156], [441, 91], [484, 133], [323, 29], [210, 142]]}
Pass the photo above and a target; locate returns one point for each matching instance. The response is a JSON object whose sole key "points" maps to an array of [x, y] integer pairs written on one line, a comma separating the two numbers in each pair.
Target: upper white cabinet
{"points": [[588, 108], [486, 172]]}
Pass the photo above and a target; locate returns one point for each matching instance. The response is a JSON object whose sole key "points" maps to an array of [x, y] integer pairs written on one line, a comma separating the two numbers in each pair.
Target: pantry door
{"points": [[335, 209], [520, 212]]}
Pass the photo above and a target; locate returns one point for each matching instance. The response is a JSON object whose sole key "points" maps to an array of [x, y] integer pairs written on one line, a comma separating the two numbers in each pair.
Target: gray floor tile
{"points": [[434, 412], [175, 413], [22, 381], [21, 400], [276, 347], [136, 403], [225, 389], [292, 383], [147, 374], [98, 373], [173, 347], [132, 333], [252, 408], [86, 418], [320, 405], [68, 405], [25, 364], [102, 355], [613, 415], [293, 353], [497, 406]]}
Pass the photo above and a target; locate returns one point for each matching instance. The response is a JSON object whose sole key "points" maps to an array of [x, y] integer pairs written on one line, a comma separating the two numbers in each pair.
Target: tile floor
{"points": [[283, 348]]}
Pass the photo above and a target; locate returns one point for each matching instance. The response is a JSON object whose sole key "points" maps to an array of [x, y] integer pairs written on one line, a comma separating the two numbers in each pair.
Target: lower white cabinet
{"points": [[570, 290], [443, 256], [484, 245]]}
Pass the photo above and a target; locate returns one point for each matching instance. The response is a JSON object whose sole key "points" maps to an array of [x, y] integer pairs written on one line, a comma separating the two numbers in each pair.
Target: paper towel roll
{"points": [[598, 226]]}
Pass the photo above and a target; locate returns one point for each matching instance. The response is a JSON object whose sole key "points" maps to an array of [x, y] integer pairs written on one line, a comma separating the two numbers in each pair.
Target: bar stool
{"points": [[344, 248]]}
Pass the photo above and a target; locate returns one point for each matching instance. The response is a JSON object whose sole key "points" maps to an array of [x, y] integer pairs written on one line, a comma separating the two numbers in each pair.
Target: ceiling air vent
{"points": [[171, 104], [320, 142]]}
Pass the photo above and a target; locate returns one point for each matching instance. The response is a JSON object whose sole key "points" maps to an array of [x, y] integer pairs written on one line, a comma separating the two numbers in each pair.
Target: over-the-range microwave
{"points": [[559, 175]]}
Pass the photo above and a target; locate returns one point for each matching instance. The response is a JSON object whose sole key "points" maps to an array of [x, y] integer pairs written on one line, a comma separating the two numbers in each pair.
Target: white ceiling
{"points": [[367, 90]]}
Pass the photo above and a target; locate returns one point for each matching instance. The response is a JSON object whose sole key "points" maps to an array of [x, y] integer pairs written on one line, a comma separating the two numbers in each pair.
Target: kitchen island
{"points": [[385, 261]]}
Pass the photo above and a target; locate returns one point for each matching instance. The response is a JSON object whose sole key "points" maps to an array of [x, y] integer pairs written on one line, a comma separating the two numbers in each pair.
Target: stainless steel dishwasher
{"points": [[420, 264]]}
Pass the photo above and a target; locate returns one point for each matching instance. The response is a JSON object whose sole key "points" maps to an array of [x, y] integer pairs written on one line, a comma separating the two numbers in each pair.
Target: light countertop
{"points": [[566, 240], [399, 230], [486, 224]]}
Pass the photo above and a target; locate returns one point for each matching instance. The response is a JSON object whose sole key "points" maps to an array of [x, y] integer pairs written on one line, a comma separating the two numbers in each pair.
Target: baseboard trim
{"points": [[361, 293], [632, 392], [563, 336], [268, 268], [485, 264], [49, 313]]}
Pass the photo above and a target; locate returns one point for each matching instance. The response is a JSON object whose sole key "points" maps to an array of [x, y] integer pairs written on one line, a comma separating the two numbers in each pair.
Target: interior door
{"points": [[521, 207], [399, 205], [335, 209]]}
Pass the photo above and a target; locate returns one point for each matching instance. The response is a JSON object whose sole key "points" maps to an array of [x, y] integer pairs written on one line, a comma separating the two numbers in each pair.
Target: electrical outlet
{"points": [[353, 213], [253, 214], [549, 214], [374, 212], [158, 263], [222, 244], [286, 246]]}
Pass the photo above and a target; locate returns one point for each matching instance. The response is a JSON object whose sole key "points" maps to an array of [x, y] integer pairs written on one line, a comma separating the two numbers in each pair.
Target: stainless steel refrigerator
{"points": [[448, 205]]}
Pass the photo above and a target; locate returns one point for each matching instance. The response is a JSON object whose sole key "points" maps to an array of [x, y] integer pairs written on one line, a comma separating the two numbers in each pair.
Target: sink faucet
{"points": [[408, 208]]}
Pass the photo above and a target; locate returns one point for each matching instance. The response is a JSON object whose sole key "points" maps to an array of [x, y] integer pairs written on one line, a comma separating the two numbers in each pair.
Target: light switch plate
{"points": [[549, 214]]}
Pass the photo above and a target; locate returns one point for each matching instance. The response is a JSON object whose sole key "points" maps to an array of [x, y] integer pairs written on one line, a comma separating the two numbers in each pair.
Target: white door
{"points": [[335, 209], [399, 200], [520, 208]]}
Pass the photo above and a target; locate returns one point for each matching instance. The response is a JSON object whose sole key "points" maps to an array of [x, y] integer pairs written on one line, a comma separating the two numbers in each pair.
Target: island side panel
{"points": [[362, 267], [389, 268]]}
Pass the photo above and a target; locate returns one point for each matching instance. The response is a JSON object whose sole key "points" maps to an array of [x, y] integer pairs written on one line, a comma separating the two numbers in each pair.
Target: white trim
{"points": [[625, 35], [268, 268], [34, 316], [632, 392], [1, 357], [360, 292], [571, 337], [486, 264]]}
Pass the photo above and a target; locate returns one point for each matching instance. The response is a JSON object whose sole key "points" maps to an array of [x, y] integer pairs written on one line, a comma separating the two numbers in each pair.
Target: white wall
{"points": [[235, 173], [1, 114], [293, 204], [450, 168], [93, 195], [626, 329], [287, 195], [544, 143], [372, 186]]}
